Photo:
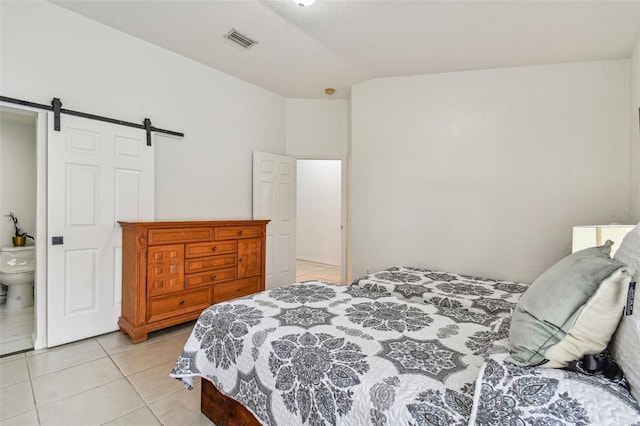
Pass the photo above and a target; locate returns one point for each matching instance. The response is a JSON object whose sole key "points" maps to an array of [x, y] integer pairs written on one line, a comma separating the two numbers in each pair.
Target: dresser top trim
{"points": [[191, 223]]}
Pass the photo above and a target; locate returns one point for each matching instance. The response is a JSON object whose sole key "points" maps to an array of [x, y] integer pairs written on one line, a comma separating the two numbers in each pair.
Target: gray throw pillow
{"points": [[572, 309]]}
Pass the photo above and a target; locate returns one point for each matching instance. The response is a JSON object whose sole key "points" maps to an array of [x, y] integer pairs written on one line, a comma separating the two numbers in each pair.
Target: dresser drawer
{"points": [[233, 289], [165, 272], [162, 307], [235, 232], [208, 249], [201, 264], [179, 235], [210, 277]]}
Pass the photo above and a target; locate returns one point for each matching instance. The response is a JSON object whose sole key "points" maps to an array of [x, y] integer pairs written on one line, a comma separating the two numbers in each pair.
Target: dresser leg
{"points": [[137, 338], [135, 335]]}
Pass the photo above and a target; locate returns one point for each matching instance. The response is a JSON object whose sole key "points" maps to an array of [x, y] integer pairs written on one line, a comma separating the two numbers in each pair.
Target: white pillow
{"points": [[625, 344]]}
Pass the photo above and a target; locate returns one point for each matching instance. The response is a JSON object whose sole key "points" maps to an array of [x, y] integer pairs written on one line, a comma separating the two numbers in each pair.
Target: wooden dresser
{"points": [[172, 271]]}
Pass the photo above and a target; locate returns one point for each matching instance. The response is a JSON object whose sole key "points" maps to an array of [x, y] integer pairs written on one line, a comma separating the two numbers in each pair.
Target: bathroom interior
{"points": [[18, 194]]}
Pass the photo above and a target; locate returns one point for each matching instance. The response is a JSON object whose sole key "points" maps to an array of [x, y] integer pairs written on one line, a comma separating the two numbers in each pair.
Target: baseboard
{"points": [[323, 261]]}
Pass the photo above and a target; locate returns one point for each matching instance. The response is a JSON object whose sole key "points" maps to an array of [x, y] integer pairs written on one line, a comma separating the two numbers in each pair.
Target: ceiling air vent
{"points": [[240, 39]]}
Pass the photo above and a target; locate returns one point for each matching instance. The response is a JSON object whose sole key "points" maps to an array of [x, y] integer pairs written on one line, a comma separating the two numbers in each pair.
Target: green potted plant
{"points": [[20, 237]]}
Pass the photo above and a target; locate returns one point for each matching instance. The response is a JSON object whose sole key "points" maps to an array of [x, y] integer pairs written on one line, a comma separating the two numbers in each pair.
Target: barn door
{"points": [[274, 198], [98, 173]]}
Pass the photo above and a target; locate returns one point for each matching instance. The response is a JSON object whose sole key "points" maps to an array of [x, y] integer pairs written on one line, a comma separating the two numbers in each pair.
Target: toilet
{"points": [[17, 269]]}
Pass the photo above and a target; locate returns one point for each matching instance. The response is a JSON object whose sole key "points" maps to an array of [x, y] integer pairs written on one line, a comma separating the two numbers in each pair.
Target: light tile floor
{"points": [[100, 381], [106, 380], [306, 270], [16, 328]]}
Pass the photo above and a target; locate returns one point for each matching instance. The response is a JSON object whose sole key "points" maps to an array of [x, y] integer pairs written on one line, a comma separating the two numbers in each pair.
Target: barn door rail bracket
{"points": [[56, 107]]}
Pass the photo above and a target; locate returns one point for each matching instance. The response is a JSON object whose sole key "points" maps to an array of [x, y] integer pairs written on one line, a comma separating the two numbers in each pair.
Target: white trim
{"points": [[323, 261], [12, 106], [39, 334]]}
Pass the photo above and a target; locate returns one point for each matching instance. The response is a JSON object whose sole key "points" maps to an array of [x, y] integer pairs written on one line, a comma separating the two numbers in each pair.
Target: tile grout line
{"points": [[146, 405], [28, 314], [33, 393], [123, 377], [175, 337]]}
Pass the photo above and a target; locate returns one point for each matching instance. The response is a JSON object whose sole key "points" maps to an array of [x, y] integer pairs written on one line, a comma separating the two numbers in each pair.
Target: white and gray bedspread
{"points": [[507, 394], [446, 289], [402, 346]]}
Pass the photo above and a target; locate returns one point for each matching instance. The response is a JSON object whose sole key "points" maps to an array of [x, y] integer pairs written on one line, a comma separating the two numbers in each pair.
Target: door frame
{"points": [[344, 199], [39, 336], [42, 126]]}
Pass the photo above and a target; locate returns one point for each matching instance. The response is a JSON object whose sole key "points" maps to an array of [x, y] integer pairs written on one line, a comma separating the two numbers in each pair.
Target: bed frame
{"points": [[222, 410]]}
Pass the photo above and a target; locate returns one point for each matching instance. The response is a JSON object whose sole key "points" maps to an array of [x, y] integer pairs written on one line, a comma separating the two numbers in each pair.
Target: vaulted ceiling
{"points": [[338, 43]]}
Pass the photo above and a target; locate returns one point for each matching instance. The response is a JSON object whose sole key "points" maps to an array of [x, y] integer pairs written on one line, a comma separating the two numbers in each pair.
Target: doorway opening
{"points": [[319, 220], [18, 195]]}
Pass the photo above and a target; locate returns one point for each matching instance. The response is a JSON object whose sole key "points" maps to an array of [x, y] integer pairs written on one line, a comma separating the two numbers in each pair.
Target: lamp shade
{"points": [[596, 235]]}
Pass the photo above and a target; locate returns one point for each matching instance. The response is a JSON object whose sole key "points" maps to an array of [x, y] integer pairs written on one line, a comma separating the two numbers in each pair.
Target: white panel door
{"points": [[98, 173], [274, 198]]}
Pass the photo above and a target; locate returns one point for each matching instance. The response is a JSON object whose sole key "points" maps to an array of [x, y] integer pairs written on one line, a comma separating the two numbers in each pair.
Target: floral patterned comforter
{"points": [[507, 394], [320, 354], [445, 289]]}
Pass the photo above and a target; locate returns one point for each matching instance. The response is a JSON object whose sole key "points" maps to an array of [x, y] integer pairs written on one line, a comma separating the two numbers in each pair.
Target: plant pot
{"points": [[19, 241]]}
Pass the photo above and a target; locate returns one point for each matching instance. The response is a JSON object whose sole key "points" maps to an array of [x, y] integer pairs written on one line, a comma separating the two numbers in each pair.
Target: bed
{"points": [[400, 346]]}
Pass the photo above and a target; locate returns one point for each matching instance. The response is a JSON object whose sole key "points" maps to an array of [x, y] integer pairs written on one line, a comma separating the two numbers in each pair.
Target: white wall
{"points": [[485, 172], [17, 176], [319, 129], [48, 51], [635, 132], [319, 214]]}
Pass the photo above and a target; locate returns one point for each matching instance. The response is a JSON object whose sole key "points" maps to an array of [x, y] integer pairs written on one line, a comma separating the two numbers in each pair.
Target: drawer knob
{"points": [[240, 260], [214, 248], [213, 277], [181, 302], [240, 232]]}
